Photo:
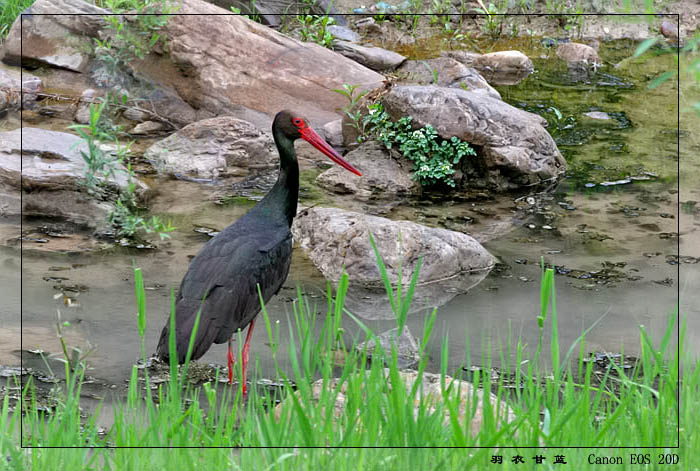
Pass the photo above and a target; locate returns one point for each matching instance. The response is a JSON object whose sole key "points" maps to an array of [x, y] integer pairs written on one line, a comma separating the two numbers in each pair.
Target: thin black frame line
{"points": [[284, 447], [678, 226], [658, 15], [677, 15], [21, 226]]}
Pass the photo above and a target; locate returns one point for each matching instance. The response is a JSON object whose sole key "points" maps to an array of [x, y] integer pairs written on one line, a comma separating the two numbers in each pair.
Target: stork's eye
{"points": [[298, 122]]}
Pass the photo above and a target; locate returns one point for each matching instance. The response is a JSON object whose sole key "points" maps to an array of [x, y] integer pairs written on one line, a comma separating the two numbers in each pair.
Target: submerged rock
{"points": [[406, 347], [432, 392], [498, 68], [576, 54]]}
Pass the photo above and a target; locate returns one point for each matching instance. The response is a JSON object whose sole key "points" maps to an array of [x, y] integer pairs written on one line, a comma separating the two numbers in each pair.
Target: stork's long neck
{"points": [[281, 201]]}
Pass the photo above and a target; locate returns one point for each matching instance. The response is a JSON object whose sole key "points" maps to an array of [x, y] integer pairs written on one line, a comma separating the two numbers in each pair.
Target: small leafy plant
{"points": [[315, 28], [102, 165], [433, 157], [494, 17], [132, 39], [348, 91]]}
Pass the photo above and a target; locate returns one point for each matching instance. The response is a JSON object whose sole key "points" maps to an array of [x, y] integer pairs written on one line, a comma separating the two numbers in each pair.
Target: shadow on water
{"points": [[610, 229]]}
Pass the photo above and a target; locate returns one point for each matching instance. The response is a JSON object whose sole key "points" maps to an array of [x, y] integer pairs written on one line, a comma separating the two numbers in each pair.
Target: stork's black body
{"points": [[227, 270], [256, 250]]}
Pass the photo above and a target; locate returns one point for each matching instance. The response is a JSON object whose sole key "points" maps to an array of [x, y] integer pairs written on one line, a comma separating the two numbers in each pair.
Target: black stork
{"points": [[222, 278]]}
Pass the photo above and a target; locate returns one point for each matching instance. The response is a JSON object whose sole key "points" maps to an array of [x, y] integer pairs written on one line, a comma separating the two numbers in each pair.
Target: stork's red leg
{"points": [[231, 361], [244, 353]]}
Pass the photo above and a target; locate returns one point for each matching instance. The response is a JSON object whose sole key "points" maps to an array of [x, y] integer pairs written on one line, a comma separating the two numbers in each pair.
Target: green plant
{"points": [[251, 16], [567, 16], [433, 157], [455, 36], [127, 222], [348, 91], [440, 12], [315, 28], [495, 17], [133, 36], [102, 165], [9, 11], [553, 406]]}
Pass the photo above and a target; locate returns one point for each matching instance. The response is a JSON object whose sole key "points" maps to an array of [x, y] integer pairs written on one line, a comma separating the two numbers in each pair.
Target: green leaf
{"points": [[140, 300], [661, 79], [644, 46]]}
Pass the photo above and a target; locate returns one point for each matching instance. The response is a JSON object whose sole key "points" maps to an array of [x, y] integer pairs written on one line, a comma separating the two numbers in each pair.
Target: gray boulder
{"points": [[336, 239], [449, 72], [513, 147], [49, 160], [498, 68], [48, 171], [58, 40], [375, 58], [213, 148], [13, 84], [382, 175]]}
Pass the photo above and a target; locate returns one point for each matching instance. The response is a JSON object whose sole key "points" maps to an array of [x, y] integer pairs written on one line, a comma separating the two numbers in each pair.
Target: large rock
{"points": [[338, 240], [498, 68], [449, 72], [382, 175], [224, 61], [54, 33], [49, 170], [513, 147], [49, 160], [213, 148]]}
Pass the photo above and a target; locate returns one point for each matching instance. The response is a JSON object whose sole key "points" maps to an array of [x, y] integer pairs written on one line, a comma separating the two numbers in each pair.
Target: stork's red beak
{"points": [[310, 136]]}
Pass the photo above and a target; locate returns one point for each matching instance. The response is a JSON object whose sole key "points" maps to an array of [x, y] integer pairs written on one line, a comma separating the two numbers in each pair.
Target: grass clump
{"points": [[9, 11], [314, 28], [361, 403]]}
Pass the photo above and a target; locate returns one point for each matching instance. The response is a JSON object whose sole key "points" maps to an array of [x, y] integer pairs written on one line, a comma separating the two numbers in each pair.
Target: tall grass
{"points": [[9, 11], [556, 405]]}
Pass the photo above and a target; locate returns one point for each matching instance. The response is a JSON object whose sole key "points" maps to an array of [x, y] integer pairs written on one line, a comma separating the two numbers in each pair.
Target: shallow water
{"points": [[631, 224]]}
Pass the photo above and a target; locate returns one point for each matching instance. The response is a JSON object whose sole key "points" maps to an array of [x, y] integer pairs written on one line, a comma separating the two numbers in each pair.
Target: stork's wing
{"points": [[222, 281]]}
